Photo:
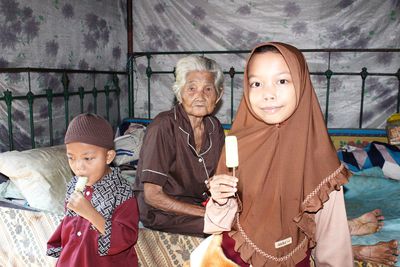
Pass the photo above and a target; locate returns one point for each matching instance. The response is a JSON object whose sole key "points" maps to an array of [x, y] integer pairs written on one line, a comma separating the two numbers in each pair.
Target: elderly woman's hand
{"points": [[223, 187]]}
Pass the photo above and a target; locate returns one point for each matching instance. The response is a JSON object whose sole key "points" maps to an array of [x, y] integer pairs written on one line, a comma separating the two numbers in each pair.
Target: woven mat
{"points": [[24, 235]]}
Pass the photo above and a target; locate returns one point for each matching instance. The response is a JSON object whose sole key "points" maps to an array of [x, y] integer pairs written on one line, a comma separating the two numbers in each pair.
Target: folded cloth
{"points": [[376, 154], [127, 146]]}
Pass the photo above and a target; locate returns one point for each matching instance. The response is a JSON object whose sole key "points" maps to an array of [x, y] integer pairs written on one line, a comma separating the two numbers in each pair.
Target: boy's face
{"points": [[89, 160], [271, 90]]}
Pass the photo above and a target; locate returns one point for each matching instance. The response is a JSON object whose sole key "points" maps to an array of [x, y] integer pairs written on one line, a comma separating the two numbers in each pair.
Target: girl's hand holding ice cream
{"points": [[223, 187]]}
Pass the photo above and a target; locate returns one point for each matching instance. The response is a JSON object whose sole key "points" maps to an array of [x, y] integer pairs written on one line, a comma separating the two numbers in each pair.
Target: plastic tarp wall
{"points": [[234, 25], [88, 35], [91, 34]]}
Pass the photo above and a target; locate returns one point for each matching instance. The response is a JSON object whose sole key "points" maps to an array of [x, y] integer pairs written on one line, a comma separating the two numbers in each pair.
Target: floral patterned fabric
{"points": [[92, 35], [85, 35], [25, 234], [236, 25]]}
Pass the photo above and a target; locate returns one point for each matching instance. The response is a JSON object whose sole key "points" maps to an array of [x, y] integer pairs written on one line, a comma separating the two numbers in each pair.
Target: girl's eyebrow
{"points": [[284, 72], [280, 73]]}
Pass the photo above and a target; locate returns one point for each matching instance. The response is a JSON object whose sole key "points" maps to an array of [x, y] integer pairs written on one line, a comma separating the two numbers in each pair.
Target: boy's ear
{"points": [[110, 156]]}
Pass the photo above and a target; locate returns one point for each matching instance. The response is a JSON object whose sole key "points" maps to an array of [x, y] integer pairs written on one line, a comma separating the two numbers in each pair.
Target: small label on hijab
{"points": [[283, 242]]}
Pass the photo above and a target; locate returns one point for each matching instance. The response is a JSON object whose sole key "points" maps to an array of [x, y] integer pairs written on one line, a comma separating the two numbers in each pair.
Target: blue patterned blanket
{"points": [[376, 154]]}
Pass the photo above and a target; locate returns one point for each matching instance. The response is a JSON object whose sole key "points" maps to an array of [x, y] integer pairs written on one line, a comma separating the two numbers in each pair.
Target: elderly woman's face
{"points": [[198, 94]]}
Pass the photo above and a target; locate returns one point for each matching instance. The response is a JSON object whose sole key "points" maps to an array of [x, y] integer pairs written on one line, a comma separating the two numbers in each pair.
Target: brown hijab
{"points": [[285, 172]]}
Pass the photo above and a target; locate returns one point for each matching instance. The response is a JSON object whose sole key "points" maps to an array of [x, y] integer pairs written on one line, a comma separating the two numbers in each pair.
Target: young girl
{"points": [[100, 227], [289, 178]]}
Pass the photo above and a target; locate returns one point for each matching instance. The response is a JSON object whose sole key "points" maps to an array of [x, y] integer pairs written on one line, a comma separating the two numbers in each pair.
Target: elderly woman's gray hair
{"points": [[197, 63]]}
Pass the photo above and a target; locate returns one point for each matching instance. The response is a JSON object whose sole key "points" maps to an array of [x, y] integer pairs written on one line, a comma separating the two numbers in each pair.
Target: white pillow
{"points": [[127, 146], [40, 174]]}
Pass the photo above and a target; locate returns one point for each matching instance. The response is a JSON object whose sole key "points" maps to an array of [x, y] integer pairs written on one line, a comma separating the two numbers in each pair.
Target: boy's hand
{"points": [[78, 203]]}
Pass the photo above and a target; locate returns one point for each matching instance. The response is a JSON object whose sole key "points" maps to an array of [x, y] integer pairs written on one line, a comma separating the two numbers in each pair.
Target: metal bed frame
{"points": [[232, 72], [130, 74]]}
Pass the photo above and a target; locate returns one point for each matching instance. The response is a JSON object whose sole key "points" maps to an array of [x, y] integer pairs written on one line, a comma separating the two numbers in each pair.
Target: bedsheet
{"points": [[24, 235], [368, 190]]}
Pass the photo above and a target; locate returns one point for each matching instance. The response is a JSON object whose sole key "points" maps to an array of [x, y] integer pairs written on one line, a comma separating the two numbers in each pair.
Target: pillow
{"points": [[340, 141], [127, 146], [40, 174]]}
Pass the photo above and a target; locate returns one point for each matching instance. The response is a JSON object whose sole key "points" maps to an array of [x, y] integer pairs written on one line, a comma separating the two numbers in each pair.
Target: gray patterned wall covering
{"points": [[91, 34], [237, 24], [72, 34]]}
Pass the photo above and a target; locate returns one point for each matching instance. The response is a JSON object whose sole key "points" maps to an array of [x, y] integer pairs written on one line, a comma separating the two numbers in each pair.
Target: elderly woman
{"points": [[180, 151]]}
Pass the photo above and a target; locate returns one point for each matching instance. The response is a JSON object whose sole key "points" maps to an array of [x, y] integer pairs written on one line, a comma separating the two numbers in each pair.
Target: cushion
{"points": [[127, 146], [356, 137], [40, 174]]}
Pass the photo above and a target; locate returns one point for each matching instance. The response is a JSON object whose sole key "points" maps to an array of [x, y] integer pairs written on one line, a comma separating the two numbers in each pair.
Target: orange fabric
{"points": [[279, 167]]}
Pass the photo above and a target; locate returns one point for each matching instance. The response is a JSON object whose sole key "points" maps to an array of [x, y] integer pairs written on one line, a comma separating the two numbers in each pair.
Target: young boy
{"points": [[100, 227]]}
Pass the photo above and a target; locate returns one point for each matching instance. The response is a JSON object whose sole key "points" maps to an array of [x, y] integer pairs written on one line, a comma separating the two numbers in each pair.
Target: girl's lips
{"points": [[271, 109]]}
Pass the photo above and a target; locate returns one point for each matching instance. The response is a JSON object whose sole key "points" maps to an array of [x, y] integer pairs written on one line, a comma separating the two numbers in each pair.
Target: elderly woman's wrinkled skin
{"points": [[199, 98], [376, 254]]}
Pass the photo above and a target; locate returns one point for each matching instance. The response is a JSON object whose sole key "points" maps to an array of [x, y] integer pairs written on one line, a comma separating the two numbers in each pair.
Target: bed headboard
{"points": [[33, 115], [344, 76], [339, 137]]}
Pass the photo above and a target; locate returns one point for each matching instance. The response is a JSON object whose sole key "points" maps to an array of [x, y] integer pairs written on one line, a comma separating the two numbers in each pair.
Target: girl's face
{"points": [[89, 160], [271, 90], [198, 94]]}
